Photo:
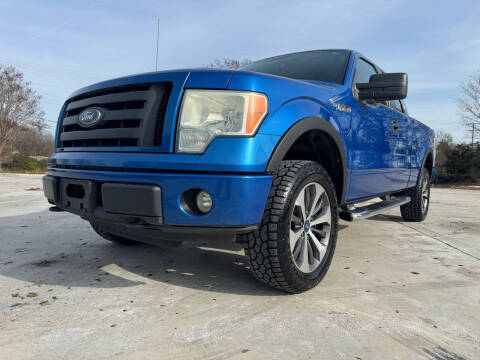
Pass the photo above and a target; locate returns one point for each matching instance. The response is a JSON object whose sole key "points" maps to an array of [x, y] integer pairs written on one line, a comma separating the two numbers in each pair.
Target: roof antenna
{"points": [[158, 35]]}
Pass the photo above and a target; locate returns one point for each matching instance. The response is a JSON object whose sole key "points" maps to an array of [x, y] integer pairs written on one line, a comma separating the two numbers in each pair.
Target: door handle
{"points": [[394, 127]]}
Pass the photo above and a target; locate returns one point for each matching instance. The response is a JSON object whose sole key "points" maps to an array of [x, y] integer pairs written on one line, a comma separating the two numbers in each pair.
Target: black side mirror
{"points": [[383, 87]]}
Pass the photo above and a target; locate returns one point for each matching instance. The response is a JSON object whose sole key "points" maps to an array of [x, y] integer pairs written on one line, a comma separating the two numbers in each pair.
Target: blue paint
{"points": [[208, 79], [239, 154], [378, 161], [238, 200]]}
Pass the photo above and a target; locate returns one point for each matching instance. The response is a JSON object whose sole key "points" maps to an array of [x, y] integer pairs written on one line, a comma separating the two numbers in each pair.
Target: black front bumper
{"points": [[133, 211], [116, 202]]}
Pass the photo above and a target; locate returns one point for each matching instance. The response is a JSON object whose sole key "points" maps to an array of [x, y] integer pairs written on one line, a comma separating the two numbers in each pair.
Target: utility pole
{"points": [[473, 132], [158, 35]]}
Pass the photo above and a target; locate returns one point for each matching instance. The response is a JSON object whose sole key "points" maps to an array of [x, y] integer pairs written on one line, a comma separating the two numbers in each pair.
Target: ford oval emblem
{"points": [[90, 117]]}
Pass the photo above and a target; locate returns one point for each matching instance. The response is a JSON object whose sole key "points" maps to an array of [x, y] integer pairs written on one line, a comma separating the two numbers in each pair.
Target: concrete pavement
{"points": [[395, 290]]}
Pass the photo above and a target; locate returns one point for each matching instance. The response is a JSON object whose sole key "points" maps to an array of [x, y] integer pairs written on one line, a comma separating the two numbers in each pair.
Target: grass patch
{"points": [[25, 164]]}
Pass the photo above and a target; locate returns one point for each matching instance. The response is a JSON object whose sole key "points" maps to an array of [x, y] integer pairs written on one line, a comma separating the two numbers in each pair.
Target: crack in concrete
{"points": [[438, 239]]}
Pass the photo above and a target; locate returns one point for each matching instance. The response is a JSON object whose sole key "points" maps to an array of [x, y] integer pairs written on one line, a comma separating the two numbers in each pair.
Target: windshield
{"points": [[321, 65]]}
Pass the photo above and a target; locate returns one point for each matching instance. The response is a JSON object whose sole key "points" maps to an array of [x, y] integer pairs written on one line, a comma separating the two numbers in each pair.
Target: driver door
{"points": [[372, 145]]}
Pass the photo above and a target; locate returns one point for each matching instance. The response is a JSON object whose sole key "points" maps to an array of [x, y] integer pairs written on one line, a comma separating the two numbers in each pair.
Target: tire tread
{"points": [[412, 211], [262, 246]]}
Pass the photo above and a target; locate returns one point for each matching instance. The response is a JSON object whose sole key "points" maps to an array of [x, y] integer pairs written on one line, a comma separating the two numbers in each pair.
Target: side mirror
{"points": [[383, 87]]}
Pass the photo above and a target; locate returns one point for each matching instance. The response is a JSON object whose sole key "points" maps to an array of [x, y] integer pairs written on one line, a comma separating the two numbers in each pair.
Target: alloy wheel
{"points": [[425, 195], [310, 225]]}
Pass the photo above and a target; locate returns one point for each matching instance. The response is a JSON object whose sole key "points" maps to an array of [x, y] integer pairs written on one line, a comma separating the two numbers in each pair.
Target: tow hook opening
{"points": [[75, 191]]}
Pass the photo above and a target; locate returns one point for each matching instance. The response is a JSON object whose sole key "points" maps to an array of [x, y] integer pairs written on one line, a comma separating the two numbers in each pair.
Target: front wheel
{"points": [[294, 246]]}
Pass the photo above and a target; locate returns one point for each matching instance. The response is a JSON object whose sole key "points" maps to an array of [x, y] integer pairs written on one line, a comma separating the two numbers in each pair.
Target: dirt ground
{"points": [[395, 290]]}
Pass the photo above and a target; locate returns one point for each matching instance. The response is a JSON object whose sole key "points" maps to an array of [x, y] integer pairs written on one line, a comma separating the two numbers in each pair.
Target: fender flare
{"points": [[429, 151], [295, 132]]}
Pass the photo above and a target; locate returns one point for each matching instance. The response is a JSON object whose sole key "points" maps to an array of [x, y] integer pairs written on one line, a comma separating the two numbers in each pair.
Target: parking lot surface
{"points": [[394, 290]]}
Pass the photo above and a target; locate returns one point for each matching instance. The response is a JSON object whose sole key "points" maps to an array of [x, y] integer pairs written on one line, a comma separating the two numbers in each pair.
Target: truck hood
{"points": [[190, 78], [201, 79]]}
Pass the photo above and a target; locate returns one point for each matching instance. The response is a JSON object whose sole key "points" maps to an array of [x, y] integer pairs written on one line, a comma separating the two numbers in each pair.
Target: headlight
{"points": [[207, 114]]}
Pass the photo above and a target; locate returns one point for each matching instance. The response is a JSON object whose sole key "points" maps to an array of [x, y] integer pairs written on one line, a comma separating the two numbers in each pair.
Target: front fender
{"points": [[291, 112], [295, 118], [295, 110], [296, 131]]}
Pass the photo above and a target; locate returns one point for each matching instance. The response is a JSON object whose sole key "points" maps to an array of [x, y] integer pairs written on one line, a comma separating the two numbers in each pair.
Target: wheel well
{"points": [[429, 163], [316, 145]]}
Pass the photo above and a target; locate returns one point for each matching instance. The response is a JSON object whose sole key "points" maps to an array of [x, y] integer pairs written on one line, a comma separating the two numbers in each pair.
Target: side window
{"points": [[363, 71]]}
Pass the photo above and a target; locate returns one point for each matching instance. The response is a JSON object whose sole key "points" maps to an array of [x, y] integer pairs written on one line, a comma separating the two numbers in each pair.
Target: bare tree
{"points": [[443, 137], [34, 143], [229, 63], [444, 146], [19, 106], [469, 105]]}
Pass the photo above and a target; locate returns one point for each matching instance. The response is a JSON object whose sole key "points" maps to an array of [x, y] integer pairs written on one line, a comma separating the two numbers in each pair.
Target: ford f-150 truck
{"points": [[272, 154]]}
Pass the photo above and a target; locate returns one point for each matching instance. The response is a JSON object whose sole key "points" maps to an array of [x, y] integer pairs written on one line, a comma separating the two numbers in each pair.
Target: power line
{"points": [[51, 103], [65, 88], [50, 69], [52, 95], [52, 124]]}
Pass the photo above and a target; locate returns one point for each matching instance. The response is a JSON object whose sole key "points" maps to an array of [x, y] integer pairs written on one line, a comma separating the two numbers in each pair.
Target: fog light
{"points": [[204, 201]]}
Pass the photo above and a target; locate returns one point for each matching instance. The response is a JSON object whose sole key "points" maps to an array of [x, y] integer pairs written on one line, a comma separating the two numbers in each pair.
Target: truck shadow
{"points": [[212, 266], [43, 253], [386, 217]]}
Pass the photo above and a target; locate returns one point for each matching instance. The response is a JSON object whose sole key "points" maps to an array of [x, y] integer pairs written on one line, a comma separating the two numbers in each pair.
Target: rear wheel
{"points": [[294, 246], [417, 209]]}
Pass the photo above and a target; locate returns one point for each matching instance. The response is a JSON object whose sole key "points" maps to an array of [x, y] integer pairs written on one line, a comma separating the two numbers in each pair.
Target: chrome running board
{"points": [[364, 212]]}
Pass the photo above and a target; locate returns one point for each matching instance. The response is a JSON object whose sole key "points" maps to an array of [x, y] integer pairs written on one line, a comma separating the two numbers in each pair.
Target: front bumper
{"points": [[238, 199]]}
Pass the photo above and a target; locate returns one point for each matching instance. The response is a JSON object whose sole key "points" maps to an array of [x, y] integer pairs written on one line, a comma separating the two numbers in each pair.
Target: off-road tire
{"points": [[268, 248], [413, 211], [98, 228]]}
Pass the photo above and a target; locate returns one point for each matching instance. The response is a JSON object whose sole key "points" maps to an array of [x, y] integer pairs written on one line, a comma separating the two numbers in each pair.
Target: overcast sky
{"points": [[61, 46]]}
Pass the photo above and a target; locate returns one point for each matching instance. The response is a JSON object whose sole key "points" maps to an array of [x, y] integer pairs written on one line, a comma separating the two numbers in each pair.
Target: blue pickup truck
{"points": [[272, 155]]}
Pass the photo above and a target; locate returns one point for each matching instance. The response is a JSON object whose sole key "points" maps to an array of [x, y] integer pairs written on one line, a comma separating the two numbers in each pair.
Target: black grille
{"points": [[133, 116], [161, 116]]}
